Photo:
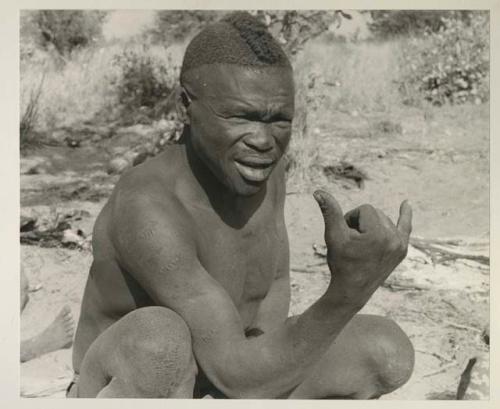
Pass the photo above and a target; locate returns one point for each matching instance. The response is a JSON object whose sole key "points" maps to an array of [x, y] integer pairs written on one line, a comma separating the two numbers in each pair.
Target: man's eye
{"points": [[238, 119], [282, 124]]}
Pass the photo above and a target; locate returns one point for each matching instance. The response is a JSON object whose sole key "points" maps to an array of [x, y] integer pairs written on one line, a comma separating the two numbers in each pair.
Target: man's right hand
{"points": [[364, 247]]}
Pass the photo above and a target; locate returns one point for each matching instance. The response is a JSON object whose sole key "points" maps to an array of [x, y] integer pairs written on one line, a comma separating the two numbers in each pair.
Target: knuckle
{"points": [[366, 208]]}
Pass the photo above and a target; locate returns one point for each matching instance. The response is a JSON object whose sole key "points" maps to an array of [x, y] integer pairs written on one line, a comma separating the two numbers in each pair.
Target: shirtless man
{"points": [[189, 290]]}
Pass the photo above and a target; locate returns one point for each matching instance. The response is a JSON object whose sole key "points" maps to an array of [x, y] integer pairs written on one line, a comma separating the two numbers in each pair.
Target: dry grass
{"points": [[73, 92], [30, 114], [83, 88]]}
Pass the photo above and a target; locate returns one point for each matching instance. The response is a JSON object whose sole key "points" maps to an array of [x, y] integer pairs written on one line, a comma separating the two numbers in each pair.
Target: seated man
{"points": [[189, 290]]}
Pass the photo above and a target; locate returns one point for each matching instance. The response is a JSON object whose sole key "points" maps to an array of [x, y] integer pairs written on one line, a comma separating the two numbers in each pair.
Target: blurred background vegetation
{"points": [[93, 71]]}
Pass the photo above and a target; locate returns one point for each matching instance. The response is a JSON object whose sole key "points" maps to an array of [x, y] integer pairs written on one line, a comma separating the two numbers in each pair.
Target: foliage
{"points": [[294, 29], [145, 84], [451, 65], [63, 30], [391, 23]]}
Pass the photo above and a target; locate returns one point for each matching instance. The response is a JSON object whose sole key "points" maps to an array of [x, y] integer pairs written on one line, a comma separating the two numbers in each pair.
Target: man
{"points": [[189, 290]]}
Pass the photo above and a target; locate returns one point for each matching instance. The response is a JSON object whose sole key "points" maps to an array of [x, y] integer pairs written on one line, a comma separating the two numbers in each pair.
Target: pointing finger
{"points": [[332, 212]]}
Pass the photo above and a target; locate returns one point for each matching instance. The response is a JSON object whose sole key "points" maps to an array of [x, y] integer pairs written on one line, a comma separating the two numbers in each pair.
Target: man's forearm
{"points": [[272, 364]]}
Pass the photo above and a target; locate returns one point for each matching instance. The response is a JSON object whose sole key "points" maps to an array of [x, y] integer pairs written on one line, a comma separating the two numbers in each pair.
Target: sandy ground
{"points": [[440, 163]]}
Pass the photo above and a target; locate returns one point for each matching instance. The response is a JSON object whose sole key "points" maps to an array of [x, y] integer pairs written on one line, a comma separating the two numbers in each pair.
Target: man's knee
{"points": [[156, 331], [156, 343], [390, 353]]}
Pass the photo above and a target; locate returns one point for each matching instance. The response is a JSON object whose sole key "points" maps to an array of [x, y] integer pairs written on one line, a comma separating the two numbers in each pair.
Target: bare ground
{"points": [[438, 159]]}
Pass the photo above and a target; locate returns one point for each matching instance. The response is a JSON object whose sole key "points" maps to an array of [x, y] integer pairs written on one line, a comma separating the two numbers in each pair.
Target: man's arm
{"points": [[161, 254]]}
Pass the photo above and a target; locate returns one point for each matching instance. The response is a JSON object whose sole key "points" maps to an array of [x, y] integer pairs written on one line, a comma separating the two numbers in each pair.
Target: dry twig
{"points": [[441, 251], [442, 369]]}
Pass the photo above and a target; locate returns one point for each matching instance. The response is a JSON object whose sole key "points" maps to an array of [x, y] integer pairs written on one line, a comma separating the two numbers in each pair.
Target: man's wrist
{"points": [[342, 299]]}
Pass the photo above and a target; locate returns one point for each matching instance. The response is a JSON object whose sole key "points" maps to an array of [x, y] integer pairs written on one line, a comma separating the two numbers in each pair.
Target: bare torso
{"points": [[242, 256]]}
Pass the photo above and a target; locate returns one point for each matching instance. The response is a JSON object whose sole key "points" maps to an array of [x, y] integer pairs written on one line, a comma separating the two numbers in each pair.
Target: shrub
{"points": [[451, 65], [393, 23], [64, 30], [145, 84]]}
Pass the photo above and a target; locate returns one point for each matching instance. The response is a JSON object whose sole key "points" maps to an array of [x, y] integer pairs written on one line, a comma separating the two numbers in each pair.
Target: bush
{"points": [[179, 25], [394, 23], [64, 30], [451, 65], [145, 85]]}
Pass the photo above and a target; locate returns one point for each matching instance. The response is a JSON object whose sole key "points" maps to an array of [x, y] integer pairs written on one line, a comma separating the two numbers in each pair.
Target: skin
{"points": [[199, 232]]}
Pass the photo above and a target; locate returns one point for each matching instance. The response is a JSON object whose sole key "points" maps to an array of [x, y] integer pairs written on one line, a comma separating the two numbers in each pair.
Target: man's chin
{"points": [[248, 187]]}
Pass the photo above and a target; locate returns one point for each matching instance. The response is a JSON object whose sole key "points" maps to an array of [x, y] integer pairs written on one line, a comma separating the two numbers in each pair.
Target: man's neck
{"points": [[234, 209]]}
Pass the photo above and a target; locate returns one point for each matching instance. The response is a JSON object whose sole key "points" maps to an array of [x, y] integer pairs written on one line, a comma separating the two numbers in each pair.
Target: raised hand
{"points": [[364, 246]]}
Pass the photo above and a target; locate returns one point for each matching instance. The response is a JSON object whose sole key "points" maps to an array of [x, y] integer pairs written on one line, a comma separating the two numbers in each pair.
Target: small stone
{"points": [[117, 166], [71, 237]]}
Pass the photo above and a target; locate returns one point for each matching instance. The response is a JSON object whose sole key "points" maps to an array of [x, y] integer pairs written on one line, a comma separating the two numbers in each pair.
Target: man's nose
{"points": [[260, 141]]}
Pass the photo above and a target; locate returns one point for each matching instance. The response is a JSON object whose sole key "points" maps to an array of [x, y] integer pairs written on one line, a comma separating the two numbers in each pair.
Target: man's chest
{"points": [[243, 261]]}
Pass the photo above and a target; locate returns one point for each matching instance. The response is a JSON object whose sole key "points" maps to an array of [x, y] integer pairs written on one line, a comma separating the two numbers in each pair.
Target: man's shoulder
{"points": [[147, 194], [150, 182]]}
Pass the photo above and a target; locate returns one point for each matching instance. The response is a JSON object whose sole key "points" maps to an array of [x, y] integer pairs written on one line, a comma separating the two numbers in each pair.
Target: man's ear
{"points": [[182, 102]]}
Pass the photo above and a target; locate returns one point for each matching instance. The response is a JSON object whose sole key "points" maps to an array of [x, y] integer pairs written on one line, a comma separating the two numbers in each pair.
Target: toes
{"points": [[65, 311]]}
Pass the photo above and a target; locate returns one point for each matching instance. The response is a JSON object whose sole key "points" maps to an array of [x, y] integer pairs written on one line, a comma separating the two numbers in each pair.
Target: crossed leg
{"points": [[371, 357], [148, 354]]}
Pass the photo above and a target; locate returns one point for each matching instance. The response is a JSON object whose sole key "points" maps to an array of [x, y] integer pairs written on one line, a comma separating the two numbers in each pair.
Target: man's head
{"points": [[238, 100]]}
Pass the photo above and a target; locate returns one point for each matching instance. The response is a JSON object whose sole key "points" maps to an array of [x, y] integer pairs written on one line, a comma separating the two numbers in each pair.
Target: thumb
{"points": [[332, 212]]}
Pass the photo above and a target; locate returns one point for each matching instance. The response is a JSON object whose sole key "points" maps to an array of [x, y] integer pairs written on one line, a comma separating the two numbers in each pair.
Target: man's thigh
{"points": [[372, 356]]}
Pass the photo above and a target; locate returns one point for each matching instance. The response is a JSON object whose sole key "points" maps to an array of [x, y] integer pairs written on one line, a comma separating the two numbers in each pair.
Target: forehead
{"points": [[232, 82]]}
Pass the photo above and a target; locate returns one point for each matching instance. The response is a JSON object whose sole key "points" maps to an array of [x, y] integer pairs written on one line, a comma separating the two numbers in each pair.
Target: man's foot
{"points": [[58, 335]]}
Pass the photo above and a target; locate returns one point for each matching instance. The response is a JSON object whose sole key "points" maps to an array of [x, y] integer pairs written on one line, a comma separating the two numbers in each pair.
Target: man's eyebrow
{"points": [[233, 105]]}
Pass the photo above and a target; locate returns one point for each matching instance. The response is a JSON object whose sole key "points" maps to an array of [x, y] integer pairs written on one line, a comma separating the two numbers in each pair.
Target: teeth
{"points": [[252, 173]]}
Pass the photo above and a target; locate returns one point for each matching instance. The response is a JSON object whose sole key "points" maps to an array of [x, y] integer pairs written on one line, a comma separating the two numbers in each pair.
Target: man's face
{"points": [[240, 121]]}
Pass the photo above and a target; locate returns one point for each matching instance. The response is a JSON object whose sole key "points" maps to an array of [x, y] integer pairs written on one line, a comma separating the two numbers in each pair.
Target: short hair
{"points": [[239, 39]]}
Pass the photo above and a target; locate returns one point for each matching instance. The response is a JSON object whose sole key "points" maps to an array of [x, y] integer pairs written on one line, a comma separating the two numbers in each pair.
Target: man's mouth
{"points": [[254, 169]]}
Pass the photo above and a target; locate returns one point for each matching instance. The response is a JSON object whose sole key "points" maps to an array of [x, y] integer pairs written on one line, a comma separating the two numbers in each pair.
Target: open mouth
{"points": [[254, 169]]}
